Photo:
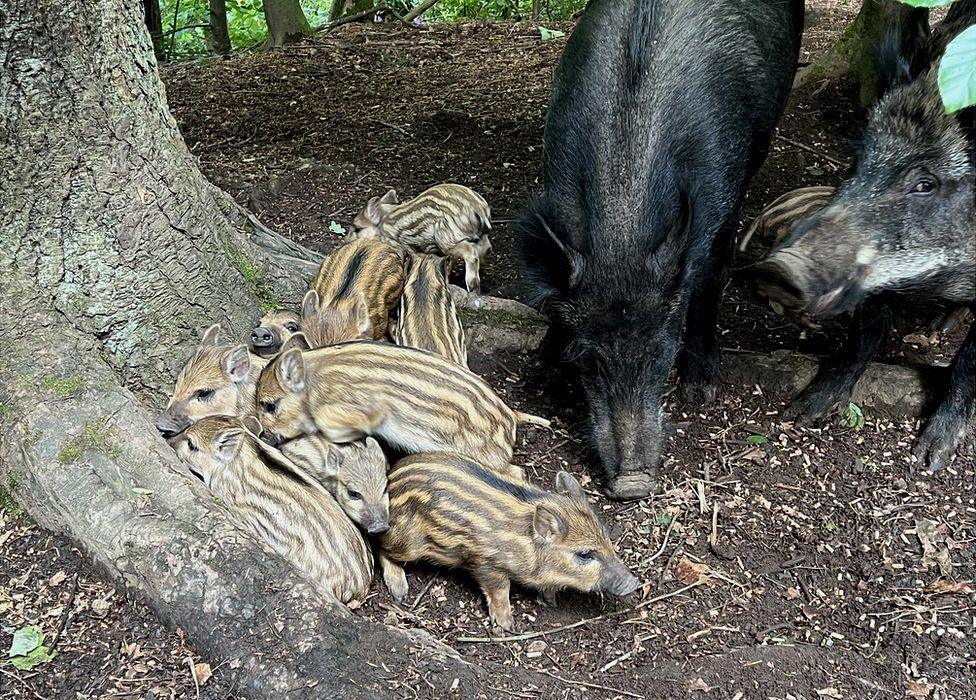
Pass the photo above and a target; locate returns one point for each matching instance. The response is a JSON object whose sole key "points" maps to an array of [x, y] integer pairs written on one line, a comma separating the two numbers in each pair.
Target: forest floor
{"points": [[789, 563]]}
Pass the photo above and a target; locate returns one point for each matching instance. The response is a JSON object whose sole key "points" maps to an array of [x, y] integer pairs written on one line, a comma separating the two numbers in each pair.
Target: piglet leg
{"points": [[496, 588]]}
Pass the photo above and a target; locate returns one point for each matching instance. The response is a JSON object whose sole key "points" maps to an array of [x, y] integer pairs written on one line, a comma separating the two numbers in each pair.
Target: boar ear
{"points": [[390, 198], [548, 526], [227, 444], [310, 304], [236, 363], [567, 485], [253, 425], [572, 256], [211, 336], [291, 370], [296, 340], [364, 325]]}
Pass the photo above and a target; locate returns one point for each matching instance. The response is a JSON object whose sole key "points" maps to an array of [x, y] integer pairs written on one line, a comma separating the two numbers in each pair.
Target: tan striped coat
{"points": [[280, 505], [410, 399], [427, 317], [775, 221], [447, 219]]}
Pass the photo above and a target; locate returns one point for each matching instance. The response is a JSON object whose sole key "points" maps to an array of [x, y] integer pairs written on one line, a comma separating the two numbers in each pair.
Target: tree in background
{"points": [[154, 23], [219, 32], [347, 8], [286, 22]]}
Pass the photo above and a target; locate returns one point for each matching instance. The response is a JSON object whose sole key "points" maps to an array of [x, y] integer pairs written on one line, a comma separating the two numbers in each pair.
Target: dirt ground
{"points": [[776, 562]]}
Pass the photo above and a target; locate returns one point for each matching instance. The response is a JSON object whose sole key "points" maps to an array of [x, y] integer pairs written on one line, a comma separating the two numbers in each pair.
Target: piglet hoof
{"points": [[396, 582], [502, 621], [630, 487]]}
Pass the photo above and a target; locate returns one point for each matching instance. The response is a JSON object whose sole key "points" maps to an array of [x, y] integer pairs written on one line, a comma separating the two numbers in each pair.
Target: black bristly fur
{"points": [[660, 114]]}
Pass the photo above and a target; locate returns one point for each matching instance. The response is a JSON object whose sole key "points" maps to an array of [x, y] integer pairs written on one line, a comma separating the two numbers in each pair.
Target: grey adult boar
{"points": [[661, 113]]}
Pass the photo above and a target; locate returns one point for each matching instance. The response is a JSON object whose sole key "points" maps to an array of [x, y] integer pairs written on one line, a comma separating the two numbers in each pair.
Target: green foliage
{"points": [[550, 34], [928, 3], [336, 227], [94, 435], [27, 649], [257, 286], [957, 72], [756, 439], [454, 10], [853, 417]]}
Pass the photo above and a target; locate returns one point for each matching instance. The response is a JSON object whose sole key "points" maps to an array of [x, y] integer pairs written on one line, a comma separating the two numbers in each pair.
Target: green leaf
{"points": [[756, 439], [336, 227], [550, 34], [928, 3], [36, 657], [957, 72], [853, 417], [26, 640]]}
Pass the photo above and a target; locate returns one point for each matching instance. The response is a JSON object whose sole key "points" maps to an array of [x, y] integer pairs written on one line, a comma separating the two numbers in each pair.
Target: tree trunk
{"points": [[346, 8], [286, 22], [855, 53], [115, 252], [219, 33], [154, 22]]}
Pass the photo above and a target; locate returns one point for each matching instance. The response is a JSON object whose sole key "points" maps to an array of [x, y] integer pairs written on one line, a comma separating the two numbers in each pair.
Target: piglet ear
{"points": [[567, 485], [227, 444], [211, 336], [364, 325], [236, 363], [547, 525], [253, 425], [446, 264], [291, 371], [390, 198], [298, 341], [334, 458], [372, 212], [310, 304]]}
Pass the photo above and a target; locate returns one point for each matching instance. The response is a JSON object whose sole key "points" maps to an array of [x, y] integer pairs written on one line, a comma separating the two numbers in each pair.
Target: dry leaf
{"points": [[100, 607], [202, 672], [688, 572], [917, 690], [698, 684], [57, 579], [942, 586], [934, 551], [828, 693], [234, 664]]}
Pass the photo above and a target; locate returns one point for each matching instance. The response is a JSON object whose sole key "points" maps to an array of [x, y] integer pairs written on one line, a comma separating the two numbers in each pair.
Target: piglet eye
{"points": [[192, 446], [291, 327], [269, 406], [586, 555], [204, 394], [354, 495]]}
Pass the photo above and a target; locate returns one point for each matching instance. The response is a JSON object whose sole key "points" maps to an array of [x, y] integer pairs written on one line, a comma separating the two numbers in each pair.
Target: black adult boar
{"points": [[902, 229], [661, 112]]}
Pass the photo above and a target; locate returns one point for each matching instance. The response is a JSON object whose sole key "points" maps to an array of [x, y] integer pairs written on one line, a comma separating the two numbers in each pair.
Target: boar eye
{"points": [[204, 394], [923, 186], [269, 406], [291, 327], [586, 555], [354, 495]]}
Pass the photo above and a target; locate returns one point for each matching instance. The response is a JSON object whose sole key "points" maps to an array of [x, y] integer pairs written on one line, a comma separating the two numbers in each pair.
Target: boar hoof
{"points": [[811, 407], [939, 442], [630, 487], [396, 581]]}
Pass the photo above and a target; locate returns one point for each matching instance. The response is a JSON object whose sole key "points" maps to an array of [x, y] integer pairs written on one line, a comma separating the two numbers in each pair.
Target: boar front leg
{"points": [[835, 381], [496, 588], [947, 428]]}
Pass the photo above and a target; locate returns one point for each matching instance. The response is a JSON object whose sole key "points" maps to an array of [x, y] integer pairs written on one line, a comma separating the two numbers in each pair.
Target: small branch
{"points": [[565, 628], [418, 10], [664, 544], [62, 623], [423, 592], [328, 27], [808, 149], [597, 686], [180, 29]]}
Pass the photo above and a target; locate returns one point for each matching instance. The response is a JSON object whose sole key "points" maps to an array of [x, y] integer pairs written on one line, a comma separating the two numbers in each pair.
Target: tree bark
{"points": [[346, 8], [154, 23], [219, 33], [115, 252], [855, 53], [286, 22]]}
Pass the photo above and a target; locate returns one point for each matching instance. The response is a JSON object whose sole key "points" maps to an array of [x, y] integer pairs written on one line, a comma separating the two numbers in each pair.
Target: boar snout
{"points": [[170, 425], [618, 581], [628, 443]]}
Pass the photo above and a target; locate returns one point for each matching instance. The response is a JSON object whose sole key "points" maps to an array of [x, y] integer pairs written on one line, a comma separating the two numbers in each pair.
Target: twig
{"points": [[23, 683], [664, 544], [423, 591], [193, 672], [713, 538], [418, 10], [64, 616], [623, 657], [808, 149], [391, 126], [592, 685], [565, 628], [329, 26]]}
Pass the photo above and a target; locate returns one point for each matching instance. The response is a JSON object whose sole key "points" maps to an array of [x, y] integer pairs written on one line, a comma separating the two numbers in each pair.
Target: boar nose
{"points": [[782, 278], [378, 522], [262, 337], [170, 426]]}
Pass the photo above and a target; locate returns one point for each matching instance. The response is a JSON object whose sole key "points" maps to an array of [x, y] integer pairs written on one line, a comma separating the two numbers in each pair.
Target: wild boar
{"points": [[411, 399], [272, 331], [450, 511], [899, 230], [217, 380], [661, 112], [361, 273], [279, 504], [325, 325], [775, 221], [449, 219], [427, 317]]}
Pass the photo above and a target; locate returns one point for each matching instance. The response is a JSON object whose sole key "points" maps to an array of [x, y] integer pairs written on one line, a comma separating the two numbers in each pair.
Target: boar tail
{"points": [[530, 419]]}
